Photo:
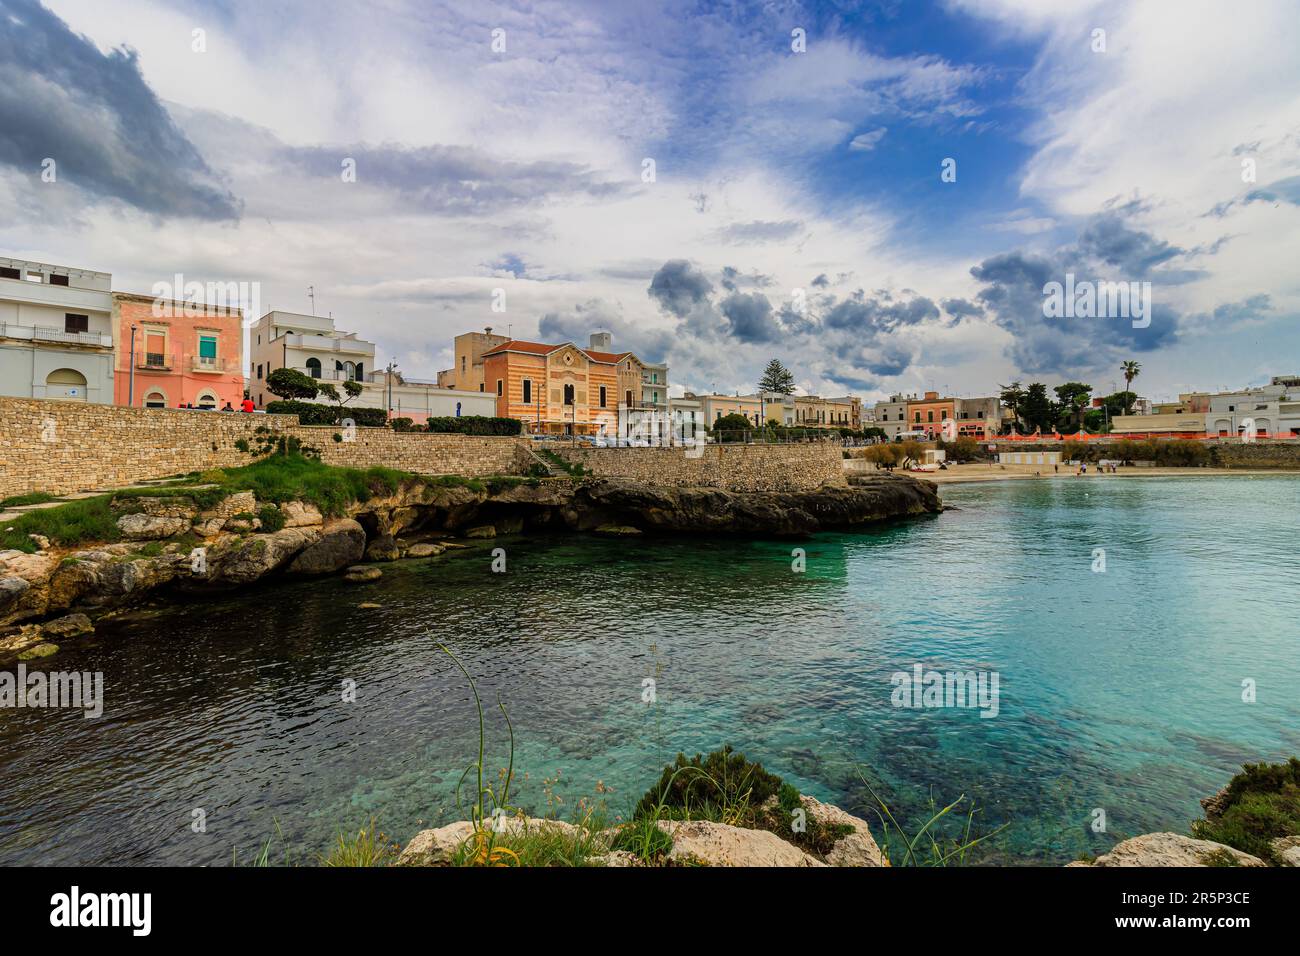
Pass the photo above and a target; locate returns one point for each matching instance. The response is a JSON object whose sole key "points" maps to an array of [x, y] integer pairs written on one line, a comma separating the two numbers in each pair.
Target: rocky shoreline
{"points": [[170, 542]]}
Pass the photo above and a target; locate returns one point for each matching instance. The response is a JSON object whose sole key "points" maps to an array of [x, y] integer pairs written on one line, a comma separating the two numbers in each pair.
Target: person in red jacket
{"points": [[246, 405]]}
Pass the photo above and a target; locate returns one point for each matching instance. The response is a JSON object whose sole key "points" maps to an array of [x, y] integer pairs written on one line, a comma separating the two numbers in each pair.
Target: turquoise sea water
{"points": [[1119, 690]]}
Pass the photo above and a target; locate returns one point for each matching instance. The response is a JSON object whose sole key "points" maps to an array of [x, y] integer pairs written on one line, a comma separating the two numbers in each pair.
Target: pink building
{"points": [[183, 353]]}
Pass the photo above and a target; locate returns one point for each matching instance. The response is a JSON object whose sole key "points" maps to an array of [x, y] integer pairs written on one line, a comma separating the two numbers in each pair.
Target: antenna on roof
{"points": [[311, 294]]}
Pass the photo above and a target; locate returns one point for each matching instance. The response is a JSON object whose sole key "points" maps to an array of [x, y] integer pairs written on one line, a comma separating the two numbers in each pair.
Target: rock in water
{"points": [[342, 543], [1171, 849]]}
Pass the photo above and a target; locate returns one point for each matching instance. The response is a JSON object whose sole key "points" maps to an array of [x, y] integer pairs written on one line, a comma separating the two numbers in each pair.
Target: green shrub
{"points": [[474, 425], [312, 413], [721, 782], [272, 518], [1262, 803], [402, 425]]}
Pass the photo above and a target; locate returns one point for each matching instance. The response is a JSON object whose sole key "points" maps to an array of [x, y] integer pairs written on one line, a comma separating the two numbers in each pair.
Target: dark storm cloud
{"points": [[680, 288], [749, 317], [961, 308], [876, 315], [1109, 239], [452, 179], [95, 116], [821, 282]]}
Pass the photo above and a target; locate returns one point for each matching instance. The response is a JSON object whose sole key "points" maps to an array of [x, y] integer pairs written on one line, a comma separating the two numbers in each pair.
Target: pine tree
{"points": [[777, 378]]}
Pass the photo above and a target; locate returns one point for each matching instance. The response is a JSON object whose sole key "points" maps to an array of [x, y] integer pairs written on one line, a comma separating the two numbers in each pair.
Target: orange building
{"points": [[560, 389], [927, 414], [184, 353]]}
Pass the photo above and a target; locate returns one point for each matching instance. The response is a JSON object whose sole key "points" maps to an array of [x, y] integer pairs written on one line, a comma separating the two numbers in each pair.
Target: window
{"points": [[602, 396], [499, 388], [313, 368], [629, 399], [528, 391], [480, 386], [58, 280], [259, 370], [76, 323], [568, 395], [155, 400], [462, 365], [7, 273], [33, 277], [208, 351], [930, 415]]}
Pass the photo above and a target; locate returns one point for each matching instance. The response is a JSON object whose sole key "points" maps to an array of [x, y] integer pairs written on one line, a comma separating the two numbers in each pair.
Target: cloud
{"points": [[758, 231], [866, 142], [749, 317], [96, 117], [679, 288]]}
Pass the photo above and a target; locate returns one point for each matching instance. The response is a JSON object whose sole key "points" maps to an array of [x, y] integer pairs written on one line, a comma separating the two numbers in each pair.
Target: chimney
{"points": [[601, 341], [487, 330]]}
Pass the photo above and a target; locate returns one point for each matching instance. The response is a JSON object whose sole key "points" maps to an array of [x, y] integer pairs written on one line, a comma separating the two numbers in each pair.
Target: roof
{"points": [[541, 348]]}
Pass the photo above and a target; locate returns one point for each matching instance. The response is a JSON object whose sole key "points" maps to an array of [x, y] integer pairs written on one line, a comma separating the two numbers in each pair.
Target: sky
{"points": [[874, 193]]}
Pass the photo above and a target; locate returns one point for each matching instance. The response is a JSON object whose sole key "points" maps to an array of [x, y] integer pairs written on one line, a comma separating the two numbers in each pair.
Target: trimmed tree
{"points": [[289, 383]]}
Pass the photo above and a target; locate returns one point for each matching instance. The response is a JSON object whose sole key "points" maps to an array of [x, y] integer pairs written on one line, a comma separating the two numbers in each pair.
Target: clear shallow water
{"points": [[1119, 690]]}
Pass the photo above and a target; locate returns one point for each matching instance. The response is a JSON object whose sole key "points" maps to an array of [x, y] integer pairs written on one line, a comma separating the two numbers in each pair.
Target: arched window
{"points": [[568, 395], [155, 399], [207, 400], [313, 367]]}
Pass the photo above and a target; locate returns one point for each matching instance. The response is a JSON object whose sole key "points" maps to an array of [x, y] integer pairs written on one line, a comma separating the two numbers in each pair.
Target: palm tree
{"points": [[1131, 371]]}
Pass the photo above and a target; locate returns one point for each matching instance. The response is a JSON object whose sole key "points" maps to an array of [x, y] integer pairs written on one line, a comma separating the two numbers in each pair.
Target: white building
{"points": [[56, 332], [687, 418], [1271, 409], [312, 345], [891, 416]]}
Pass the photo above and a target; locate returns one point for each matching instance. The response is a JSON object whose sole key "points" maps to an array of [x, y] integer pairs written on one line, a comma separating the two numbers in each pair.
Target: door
{"points": [[66, 384]]}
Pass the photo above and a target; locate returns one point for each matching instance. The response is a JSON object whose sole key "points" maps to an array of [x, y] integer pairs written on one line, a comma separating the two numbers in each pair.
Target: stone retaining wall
{"points": [[62, 447], [797, 467]]}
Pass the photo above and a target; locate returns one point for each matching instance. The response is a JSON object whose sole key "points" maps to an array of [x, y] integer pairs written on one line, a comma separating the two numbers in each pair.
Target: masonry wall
{"points": [[736, 467], [62, 447], [1257, 454]]}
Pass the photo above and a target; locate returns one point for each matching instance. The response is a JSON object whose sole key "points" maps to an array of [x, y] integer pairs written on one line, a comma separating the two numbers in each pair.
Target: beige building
{"points": [[713, 407], [467, 373]]}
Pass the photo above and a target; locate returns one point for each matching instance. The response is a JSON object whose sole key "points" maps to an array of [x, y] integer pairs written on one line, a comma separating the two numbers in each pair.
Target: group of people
{"points": [[1102, 468], [245, 406]]}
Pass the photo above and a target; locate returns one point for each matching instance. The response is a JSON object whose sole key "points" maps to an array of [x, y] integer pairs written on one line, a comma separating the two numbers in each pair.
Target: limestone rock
{"points": [[716, 844], [238, 525], [617, 530], [342, 542], [246, 560], [1288, 849], [72, 625], [210, 522], [1170, 849], [853, 849], [174, 506], [147, 527], [360, 574], [301, 514], [383, 548], [39, 651], [424, 550], [436, 847], [42, 543], [482, 531]]}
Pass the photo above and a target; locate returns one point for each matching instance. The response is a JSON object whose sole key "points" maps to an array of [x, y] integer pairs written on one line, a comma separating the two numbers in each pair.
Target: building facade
{"points": [[56, 332], [891, 416], [927, 414], [558, 389], [311, 345], [172, 354], [469, 347]]}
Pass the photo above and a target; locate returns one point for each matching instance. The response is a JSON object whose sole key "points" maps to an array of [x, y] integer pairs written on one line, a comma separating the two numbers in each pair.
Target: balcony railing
{"points": [[212, 364], [155, 361], [335, 375], [97, 340], [327, 343]]}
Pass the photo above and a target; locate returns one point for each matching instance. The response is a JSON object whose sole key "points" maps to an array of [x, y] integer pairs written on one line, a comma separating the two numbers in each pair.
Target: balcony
{"points": [[95, 340], [328, 343], [213, 365], [337, 375], [155, 361]]}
